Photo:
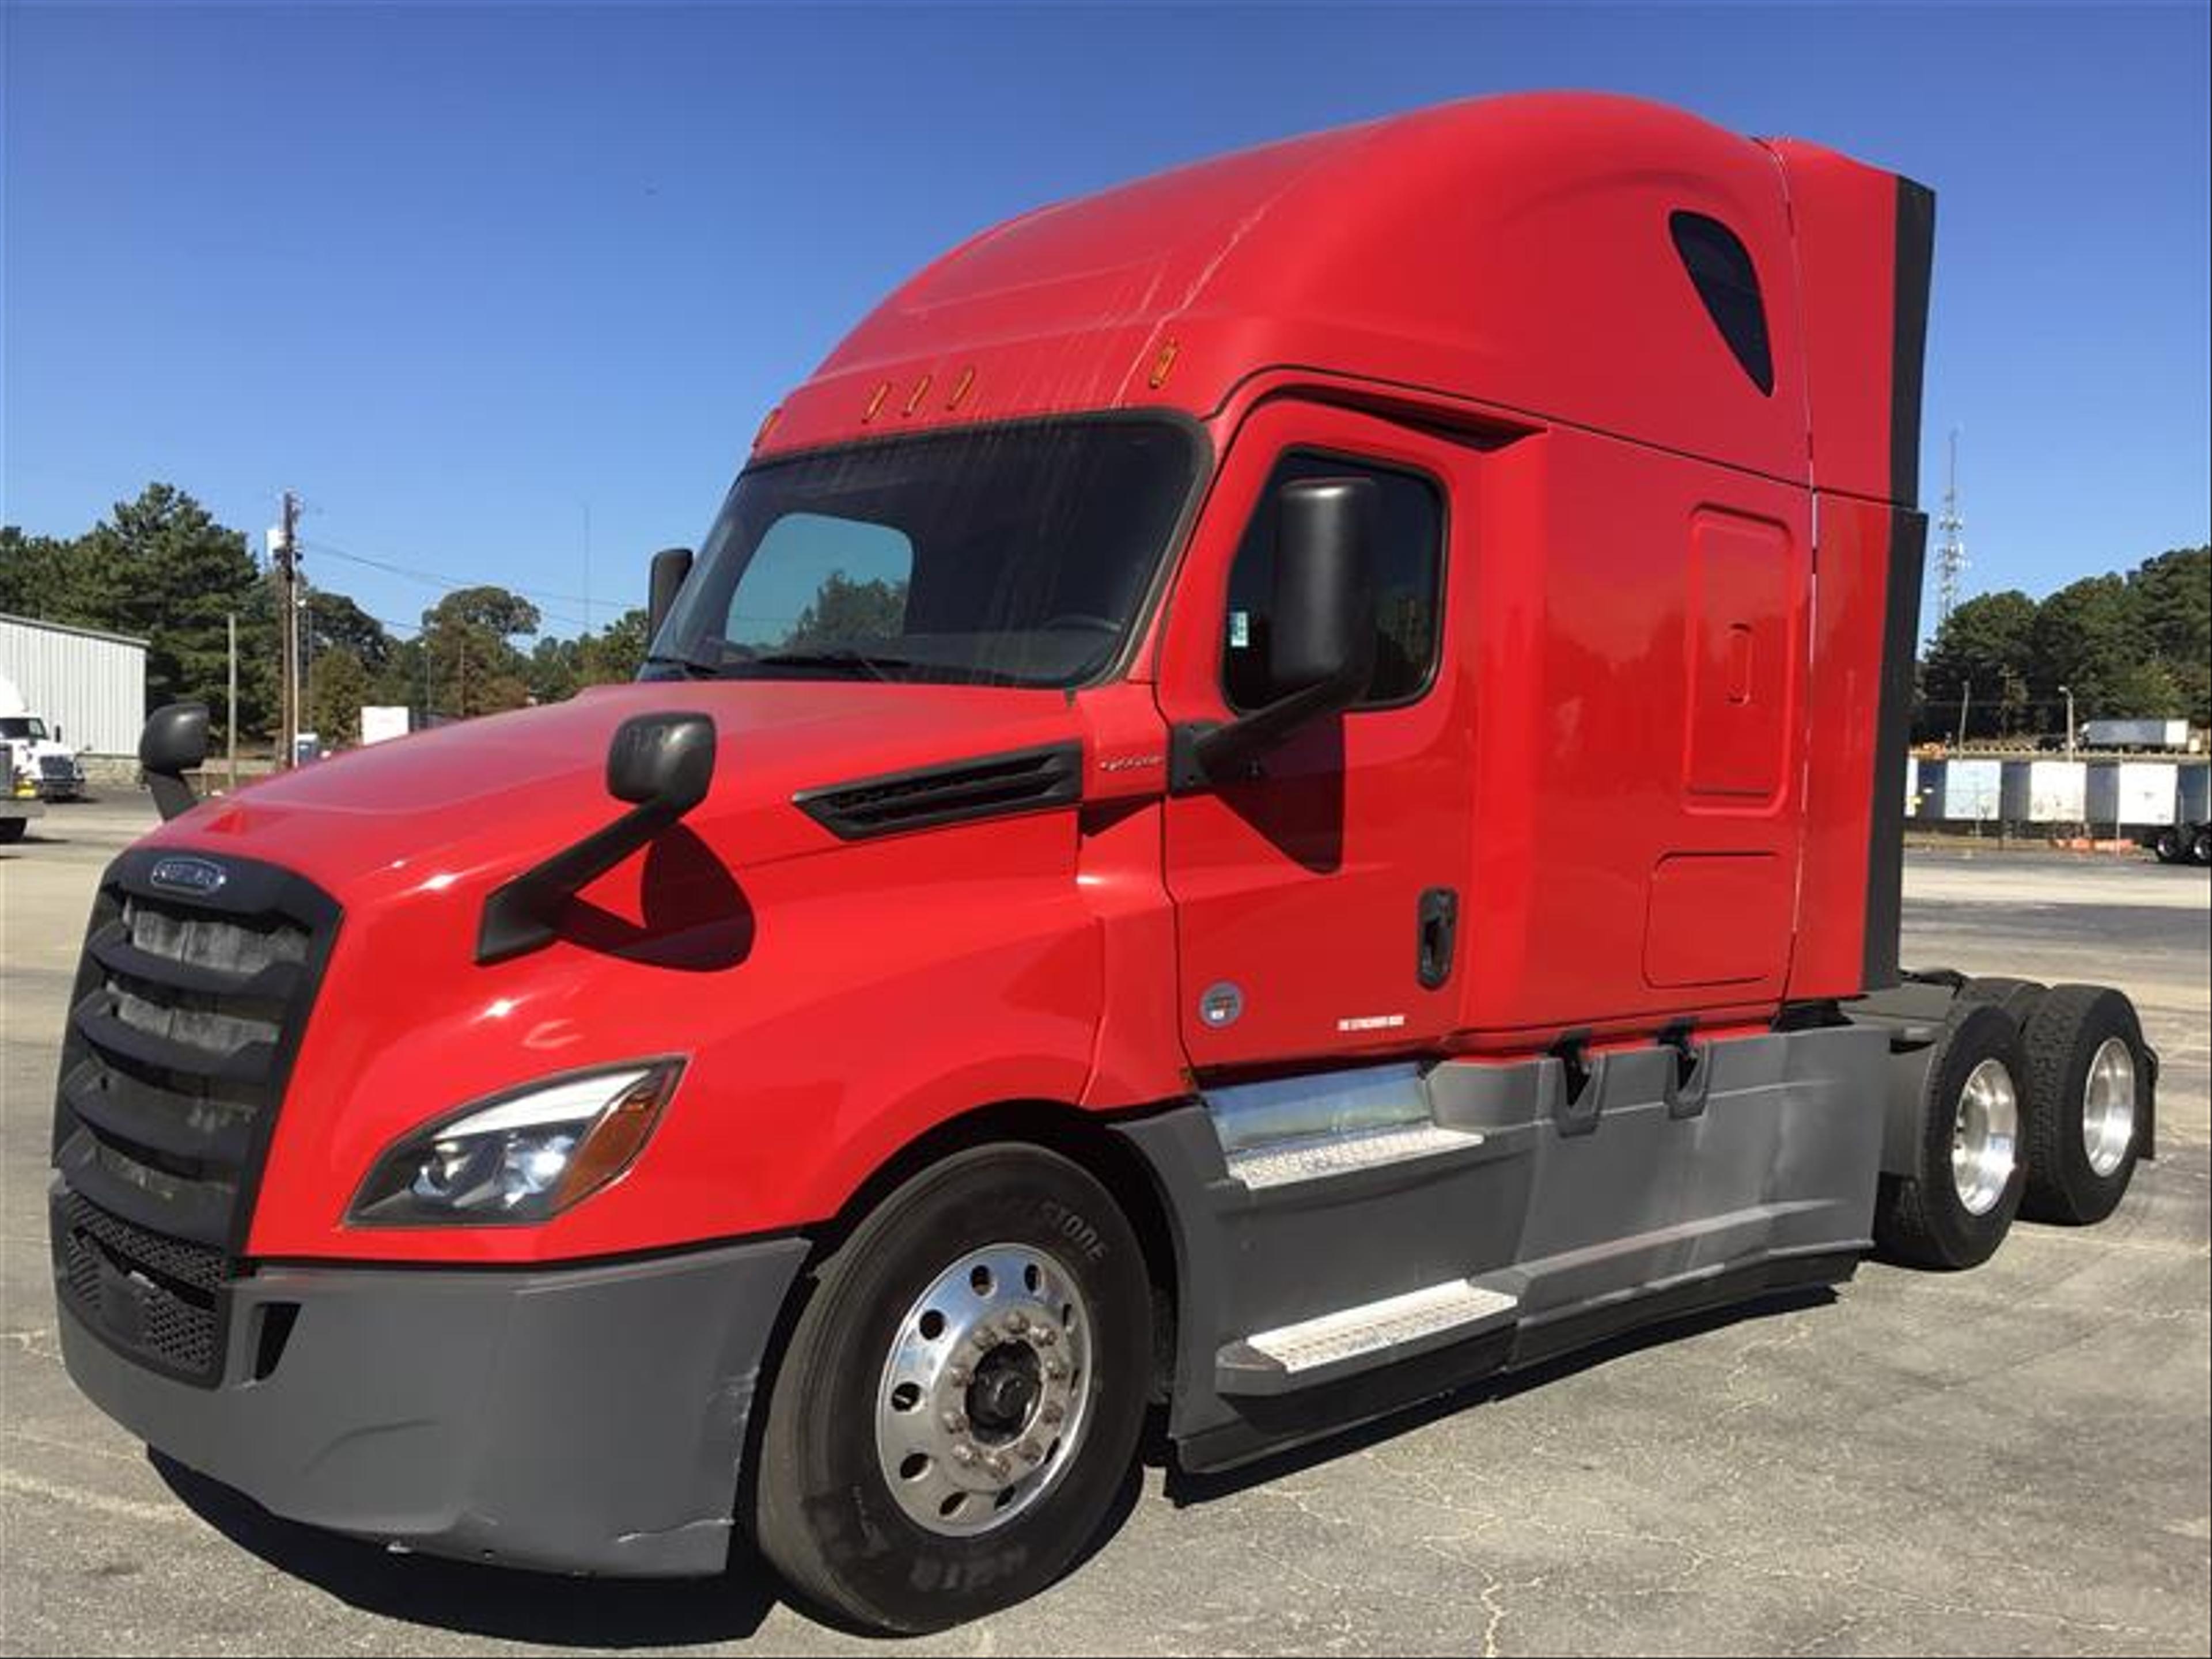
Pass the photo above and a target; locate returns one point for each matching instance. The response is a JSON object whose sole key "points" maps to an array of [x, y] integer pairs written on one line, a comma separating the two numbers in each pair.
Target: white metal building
{"points": [[90, 683]]}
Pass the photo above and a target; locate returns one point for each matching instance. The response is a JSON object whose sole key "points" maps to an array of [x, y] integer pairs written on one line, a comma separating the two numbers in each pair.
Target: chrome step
{"points": [[1281, 1163], [1376, 1327]]}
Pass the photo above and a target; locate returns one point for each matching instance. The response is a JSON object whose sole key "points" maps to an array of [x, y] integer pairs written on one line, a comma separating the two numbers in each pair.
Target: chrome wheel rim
{"points": [[986, 1391], [2108, 1105], [1985, 1137]]}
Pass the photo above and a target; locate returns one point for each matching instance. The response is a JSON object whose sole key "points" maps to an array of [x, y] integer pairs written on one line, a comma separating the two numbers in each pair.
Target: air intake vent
{"points": [[1027, 781]]}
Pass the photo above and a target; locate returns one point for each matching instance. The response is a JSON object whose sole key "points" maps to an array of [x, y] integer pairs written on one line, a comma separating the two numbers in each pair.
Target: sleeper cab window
{"points": [[1409, 545], [1720, 267]]}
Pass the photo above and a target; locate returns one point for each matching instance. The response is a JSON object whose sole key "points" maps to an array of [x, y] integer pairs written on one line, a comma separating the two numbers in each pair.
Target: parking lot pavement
{"points": [[2013, 1460]]}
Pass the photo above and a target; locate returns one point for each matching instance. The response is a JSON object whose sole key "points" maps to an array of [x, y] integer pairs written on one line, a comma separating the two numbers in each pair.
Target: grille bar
{"points": [[121, 1107], [111, 948], [248, 1062]]}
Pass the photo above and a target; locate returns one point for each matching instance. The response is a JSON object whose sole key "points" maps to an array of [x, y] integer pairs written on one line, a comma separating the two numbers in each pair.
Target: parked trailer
{"points": [[2131, 795], [2045, 792], [1181, 940], [2136, 734]]}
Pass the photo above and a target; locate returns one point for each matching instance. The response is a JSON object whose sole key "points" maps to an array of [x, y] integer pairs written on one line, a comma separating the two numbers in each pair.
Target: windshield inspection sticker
{"points": [[1240, 629]]}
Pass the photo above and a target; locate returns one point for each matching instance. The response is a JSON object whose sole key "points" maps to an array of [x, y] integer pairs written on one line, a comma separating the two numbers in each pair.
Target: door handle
{"points": [[1438, 936]]}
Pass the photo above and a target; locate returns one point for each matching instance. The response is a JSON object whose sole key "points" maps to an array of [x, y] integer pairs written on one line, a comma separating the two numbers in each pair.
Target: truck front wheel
{"points": [[961, 1396], [2087, 1069], [1955, 1206]]}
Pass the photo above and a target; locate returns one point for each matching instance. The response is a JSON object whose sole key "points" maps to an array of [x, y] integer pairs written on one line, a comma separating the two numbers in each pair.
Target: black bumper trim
{"points": [[582, 1419]]}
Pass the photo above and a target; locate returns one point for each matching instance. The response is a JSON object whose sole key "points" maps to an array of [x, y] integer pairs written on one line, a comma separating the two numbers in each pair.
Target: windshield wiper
{"points": [[843, 656], [692, 667]]}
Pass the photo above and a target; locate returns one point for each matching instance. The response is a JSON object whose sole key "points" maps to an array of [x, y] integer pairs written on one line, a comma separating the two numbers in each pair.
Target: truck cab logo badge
{"points": [[195, 876], [1221, 1004]]}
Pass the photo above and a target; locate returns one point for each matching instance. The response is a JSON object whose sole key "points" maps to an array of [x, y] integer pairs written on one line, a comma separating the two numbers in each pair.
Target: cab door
{"points": [[1320, 904]]}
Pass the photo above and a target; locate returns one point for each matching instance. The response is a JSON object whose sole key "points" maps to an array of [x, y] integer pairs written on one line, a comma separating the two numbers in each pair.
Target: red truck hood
{"points": [[501, 793]]}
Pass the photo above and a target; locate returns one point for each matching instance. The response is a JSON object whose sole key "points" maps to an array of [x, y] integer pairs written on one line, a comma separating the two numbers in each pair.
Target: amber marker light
{"points": [[1164, 364], [960, 388], [920, 391], [876, 403]]}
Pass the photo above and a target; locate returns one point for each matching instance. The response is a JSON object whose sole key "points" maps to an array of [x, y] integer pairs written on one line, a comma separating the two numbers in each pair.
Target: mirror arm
{"points": [[519, 916], [173, 796], [1202, 754]]}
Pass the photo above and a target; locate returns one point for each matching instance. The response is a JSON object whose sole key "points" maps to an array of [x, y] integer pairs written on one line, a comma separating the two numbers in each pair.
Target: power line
{"points": [[452, 586]]}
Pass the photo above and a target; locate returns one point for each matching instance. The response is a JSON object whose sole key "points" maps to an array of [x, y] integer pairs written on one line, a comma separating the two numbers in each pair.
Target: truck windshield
{"points": [[1013, 556], [22, 726]]}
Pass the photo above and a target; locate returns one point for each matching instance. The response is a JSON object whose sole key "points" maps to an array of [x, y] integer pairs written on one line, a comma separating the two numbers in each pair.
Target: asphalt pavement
{"points": [[2012, 1459]]}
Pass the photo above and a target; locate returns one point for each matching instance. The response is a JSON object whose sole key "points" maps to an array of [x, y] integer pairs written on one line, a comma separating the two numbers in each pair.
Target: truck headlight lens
{"points": [[521, 1157]]}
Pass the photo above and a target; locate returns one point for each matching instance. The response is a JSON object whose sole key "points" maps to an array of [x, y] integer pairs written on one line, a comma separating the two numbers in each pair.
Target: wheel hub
{"points": [[2108, 1106], [985, 1391], [1985, 1137]]}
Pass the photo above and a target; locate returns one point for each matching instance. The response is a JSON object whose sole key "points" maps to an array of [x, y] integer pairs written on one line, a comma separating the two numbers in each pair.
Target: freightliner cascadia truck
{"points": [[1276, 790]]}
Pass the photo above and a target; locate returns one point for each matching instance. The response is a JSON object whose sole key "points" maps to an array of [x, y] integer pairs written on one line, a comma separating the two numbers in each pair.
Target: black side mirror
{"points": [[667, 759], [670, 566], [173, 742], [1321, 646], [661, 764]]}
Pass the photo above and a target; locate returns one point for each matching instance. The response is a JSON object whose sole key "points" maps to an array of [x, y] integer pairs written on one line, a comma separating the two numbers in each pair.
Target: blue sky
{"points": [[503, 293]]}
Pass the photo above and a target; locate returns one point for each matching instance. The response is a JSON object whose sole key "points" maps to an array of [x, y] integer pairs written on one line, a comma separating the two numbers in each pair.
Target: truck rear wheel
{"points": [[2168, 846], [2087, 1068], [1956, 1205], [961, 1396], [2200, 847]]}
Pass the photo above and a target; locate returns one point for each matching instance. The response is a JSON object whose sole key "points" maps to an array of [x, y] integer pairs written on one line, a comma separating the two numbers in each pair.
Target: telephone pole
{"points": [[283, 552]]}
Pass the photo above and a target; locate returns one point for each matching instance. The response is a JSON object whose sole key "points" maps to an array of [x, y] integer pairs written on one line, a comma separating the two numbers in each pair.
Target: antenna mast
{"points": [[1951, 552]]}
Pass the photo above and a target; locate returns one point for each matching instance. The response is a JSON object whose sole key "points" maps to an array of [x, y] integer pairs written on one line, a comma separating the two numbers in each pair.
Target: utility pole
{"points": [[230, 705], [283, 552], [1966, 702]]}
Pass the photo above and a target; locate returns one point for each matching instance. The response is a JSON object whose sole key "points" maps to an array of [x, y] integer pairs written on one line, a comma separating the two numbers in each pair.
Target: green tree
{"points": [[614, 654], [1983, 656], [844, 609], [474, 666], [2089, 635], [39, 577], [332, 622], [160, 567], [2174, 599], [337, 685], [556, 670]]}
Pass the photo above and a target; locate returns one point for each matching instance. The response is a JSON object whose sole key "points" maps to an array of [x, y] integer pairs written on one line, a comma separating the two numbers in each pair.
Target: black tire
{"points": [[2200, 848], [1920, 1218], [2168, 846], [2063, 1042], [823, 1513], [2019, 997], [13, 829]]}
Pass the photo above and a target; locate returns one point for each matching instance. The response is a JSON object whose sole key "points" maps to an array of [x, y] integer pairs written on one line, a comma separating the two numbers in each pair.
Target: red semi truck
{"points": [[1277, 789]]}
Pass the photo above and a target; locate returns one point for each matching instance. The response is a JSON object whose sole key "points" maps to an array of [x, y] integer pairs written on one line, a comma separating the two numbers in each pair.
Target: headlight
{"points": [[521, 1157]]}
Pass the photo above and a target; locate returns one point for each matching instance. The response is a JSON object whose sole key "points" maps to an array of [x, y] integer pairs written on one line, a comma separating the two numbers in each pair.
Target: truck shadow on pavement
{"points": [[495, 1602], [551, 1610]]}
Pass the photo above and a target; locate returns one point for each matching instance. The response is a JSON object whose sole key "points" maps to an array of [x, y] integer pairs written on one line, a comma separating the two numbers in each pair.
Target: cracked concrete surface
{"points": [[2014, 1460]]}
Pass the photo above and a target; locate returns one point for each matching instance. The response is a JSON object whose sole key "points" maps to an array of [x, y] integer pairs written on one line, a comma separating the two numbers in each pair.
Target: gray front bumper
{"points": [[588, 1420]]}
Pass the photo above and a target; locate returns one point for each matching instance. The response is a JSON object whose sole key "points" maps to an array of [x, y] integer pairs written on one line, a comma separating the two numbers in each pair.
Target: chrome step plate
{"points": [[1285, 1162], [1377, 1325]]}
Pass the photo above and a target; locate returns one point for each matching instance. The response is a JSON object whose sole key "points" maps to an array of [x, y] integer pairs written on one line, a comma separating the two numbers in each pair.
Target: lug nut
{"points": [[963, 1453], [998, 1466], [958, 1377], [1047, 1336], [1053, 1414], [954, 1423], [1054, 1369], [984, 1338], [1017, 1321], [1032, 1452]]}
